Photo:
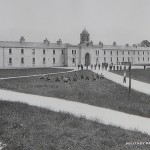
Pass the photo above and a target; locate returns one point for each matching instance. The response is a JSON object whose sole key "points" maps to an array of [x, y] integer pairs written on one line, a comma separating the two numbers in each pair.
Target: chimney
{"points": [[114, 43], [134, 45], [59, 42], [46, 41], [22, 39], [100, 44], [127, 45]]}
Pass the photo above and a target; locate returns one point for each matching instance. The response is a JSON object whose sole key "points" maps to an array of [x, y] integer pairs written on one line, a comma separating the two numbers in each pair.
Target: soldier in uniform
{"points": [[117, 67], [91, 67], [57, 78], [82, 76], [99, 66], [87, 77], [78, 67], [48, 78], [124, 77], [81, 67], [42, 77]]}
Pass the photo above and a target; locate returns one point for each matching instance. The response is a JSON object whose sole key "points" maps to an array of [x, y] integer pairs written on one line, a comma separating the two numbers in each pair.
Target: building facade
{"points": [[24, 54]]}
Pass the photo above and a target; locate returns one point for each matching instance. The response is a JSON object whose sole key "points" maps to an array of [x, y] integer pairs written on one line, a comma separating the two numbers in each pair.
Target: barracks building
{"points": [[24, 54]]}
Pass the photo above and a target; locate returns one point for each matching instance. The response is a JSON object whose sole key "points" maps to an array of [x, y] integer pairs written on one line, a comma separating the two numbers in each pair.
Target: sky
{"points": [[123, 21]]}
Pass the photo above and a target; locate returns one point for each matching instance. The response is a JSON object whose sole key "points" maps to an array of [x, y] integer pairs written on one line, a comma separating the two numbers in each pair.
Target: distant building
{"points": [[24, 54]]}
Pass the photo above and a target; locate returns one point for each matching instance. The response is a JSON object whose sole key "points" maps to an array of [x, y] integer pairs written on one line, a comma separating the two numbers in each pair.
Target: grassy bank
{"points": [[24, 127], [103, 93], [31, 71]]}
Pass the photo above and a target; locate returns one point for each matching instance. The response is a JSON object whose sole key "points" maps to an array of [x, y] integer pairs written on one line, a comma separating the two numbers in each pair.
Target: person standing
{"points": [[78, 67], [99, 66], [124, 77], [81, 67], [91, 67]]}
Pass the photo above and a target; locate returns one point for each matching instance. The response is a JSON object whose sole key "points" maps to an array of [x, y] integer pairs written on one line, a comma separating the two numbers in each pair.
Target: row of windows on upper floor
{"points": [[129, 52], [33, 60], [129, 59], [33, 51], [74, 52], [117, 52]]}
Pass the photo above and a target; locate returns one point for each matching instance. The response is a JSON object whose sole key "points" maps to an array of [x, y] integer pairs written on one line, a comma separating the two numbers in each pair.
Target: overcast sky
{"points": [[123, 21]]}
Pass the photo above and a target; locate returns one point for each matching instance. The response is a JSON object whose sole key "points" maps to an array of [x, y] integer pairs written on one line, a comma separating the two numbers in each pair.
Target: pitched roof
{"points": [[12, 44], [144, 43], [119, 47]]}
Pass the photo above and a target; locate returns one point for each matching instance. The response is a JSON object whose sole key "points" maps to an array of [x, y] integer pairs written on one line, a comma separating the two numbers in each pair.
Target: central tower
{"points": [[84, 36]]}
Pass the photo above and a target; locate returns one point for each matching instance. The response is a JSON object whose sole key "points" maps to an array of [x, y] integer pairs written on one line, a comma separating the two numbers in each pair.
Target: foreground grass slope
{"points": [[137, 74], [24, 127], [103, 93]]}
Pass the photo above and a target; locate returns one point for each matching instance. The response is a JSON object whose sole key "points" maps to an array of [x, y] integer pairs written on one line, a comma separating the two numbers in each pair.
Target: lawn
{"points": [[31, 71], [103, 92], [137, 74], [24, 127]]}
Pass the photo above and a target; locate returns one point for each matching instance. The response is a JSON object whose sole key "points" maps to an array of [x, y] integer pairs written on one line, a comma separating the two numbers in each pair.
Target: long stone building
{"points": [[24, 54]]}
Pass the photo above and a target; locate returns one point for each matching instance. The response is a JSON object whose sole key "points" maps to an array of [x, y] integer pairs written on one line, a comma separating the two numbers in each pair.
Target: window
{"points": [[10, 60], [128, 52], [123, 53], [117, 59], [44, 61], [111, 59], [54, 52], [10, 51], [96, 52], [72, 51], [104, 59], [104, 52], [33, 51], [143, 52], [123, 59], [128, 59], [143, 58], [138, 53], [33, 60], [53, 60], [62, 52], [117, 52], [147, 53], [110, 52], [22, 60], [75, 51], [22, 51], [148, 58], [73, 60], [138, 58], [43, 51], [133, 53]]}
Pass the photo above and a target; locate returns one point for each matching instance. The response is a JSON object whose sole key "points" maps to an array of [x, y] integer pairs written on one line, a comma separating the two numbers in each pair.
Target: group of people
{"points": [[93, 67], [58, 78], [75, 77], [104, 66]]}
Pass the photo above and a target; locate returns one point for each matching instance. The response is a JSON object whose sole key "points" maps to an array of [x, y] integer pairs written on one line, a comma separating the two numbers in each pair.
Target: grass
{"points": [[137, 74], [24, 127], [31, 71], [103, 93]]}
